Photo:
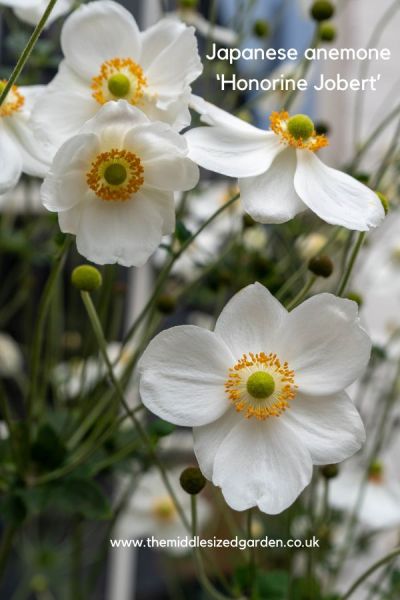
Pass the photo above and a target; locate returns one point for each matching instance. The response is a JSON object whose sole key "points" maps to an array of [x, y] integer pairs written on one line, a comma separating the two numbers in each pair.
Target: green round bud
{"points": [[39, 584], [384, 201], [188, 3], [261, 28], [322, 266], [115, 174], [192, 480], [166, 304], [119, 85], [375, 470], [322, 128], [330, 471], [355, 297], [327, 32], [322, 10], [86, 278], [260, 385], [300, 127]]}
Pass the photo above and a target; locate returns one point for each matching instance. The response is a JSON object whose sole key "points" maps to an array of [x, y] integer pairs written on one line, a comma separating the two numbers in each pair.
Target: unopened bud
{"points": [[327, 32], [322, 266], [261, 28], [322, 10], [192, 480], [86, 278], [166, 304], [330, 471]]}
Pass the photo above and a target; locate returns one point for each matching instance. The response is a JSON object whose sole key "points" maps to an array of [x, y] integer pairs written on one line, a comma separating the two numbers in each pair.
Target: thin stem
{"points": [[41, 321], [98, 331], [305, 65], [205, 582], [346, 275], [371, 570], [27, 50], [168, 266], [302, 293]]}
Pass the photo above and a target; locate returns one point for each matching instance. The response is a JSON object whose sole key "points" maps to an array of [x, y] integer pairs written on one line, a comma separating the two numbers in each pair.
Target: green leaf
{"points": [[273, 585], [48, 450]]}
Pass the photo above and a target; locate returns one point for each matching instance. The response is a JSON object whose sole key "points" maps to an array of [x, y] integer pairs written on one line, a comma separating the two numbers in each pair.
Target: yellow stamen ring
{"points": [[14, 100], [280, 126], [119, 78], [115, 175], [260, 386]]}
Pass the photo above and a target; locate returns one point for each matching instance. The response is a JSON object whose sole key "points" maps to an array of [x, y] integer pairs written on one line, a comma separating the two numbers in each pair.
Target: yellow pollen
{"points": [[13, 102], [274, 404], [164, 509], [279, 125], [119, 78], [105, 176]]}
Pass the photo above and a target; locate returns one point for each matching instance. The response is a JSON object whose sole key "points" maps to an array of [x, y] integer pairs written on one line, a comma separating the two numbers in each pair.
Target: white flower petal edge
{"points": [[252, 468], [234, 148], [323, 336], [264, 392], [10, 161], [120, 220], [334, 196], [329, 426], [182, 376]]}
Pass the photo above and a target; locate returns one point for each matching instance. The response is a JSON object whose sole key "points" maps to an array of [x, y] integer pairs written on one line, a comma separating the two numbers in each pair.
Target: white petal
{"points": [[154, 140], [334, 196], [97, 32], [329, 426], [183, 372], [208, 439], [32, 12], [10, 161], [325, 345], [262, 464], [233, 152], [63, 193], [59, 115], [213, 115], [271, 197], [69, 220], [36, 158], [176, 65], [171, 173], [251, 321], [126, 233]]}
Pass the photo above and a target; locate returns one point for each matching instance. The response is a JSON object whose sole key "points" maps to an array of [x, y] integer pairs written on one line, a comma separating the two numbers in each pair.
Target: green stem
{"points": [[168, 266], [205, 582], [98, 331], [41, 321], [371, 570], [27, 50], [346, 275], [302, 293]]}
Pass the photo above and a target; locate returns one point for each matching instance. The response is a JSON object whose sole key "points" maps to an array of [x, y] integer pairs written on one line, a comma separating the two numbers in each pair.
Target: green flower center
{"points": [[119, 85], [260, 385], [115, 174], [300, 127]]}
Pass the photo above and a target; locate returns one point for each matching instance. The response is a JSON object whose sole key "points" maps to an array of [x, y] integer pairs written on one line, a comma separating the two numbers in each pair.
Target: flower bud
{"points": [[330, 471], [261, 28], [322, 266], [355, 297], [86, 278], [321, 10], [192, 480], [327, 32], [384, 201], [166, 304]]}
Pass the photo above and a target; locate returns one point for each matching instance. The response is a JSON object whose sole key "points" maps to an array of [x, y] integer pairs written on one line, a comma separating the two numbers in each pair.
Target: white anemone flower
{"points": [[108, 58], [19, 150], [30, 11], [379, 499], [151, 512], [113, 184], [279, 173], [264, 392]]}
